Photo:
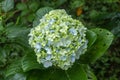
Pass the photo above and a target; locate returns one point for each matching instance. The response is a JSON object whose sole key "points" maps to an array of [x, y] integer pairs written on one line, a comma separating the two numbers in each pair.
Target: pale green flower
{"points": [[58, 39]]}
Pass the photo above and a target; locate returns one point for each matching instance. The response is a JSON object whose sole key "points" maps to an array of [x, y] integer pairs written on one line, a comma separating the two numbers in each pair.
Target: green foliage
{"points": [[14, 68], [41, 12], [109, 63], [17, 76], [29, 62], [18, 60], [91, 36], [7, 5], [77, 73], [104, 39]]}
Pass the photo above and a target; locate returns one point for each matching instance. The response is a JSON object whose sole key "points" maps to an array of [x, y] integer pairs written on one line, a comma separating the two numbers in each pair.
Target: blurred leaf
{"points": [[116, 31], [25, 12], [16, 31], [59, 74], [53, 3], [91, 75], [1, 24], [18, 34], [40, 13], [94, 14], [34, 6], [77, 73], [36, 21], [74, 73], [40, 75], [59, 3], [76, 3], [17, 76], [7, 5], [104, 40], [30, 17], [14, 68], [21, 6], [29, 62], [91, 36], [3, 56]]}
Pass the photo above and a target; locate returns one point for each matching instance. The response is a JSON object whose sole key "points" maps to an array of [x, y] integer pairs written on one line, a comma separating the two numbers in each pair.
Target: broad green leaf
{"points": [[48, 74], [34, 6], [59, 74], [40, 13], [14, 68], [40, 75], [29, 62], [30, 17], [104, 40], [77, 73], [21, 6], [7, 5], [25, 12], [16, 31], [17, 76], [91, 36]]}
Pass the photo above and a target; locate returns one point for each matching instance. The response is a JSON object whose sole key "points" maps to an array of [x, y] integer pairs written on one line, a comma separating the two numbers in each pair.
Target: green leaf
{"points": [[21, 6], [54, 4], [40, 75], [91, 75], [1, 25], [25, 12], [34, 6], [104, 40], [48, 74], [91, 36], [14, 68], [3, 56], [40, 13], [59, 74], [59, 3], [74, 73], [29, 62], [30, 17], [89, 72], [77, 73], [17, 76], [7, 5], [16, 31]]}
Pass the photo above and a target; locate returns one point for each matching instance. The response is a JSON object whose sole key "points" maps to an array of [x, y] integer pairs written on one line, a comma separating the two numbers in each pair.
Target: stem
{"points": [[67, 75]]}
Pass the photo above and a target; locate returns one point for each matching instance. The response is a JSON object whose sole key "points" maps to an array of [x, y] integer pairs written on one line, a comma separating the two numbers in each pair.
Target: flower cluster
{"points": [[58, 40]]}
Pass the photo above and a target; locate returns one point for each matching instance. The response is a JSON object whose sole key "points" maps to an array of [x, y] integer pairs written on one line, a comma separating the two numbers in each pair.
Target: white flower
{"points": [[63, 58], [73, 31], [47, 64], [57, 40]]}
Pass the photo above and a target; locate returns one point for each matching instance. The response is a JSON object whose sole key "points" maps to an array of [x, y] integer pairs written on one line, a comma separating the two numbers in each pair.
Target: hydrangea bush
{"points": [[57, 39]]}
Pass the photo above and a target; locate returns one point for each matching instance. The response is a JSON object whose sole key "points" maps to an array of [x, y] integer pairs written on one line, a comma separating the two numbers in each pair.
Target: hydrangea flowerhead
{"points": [[57, 39]]}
